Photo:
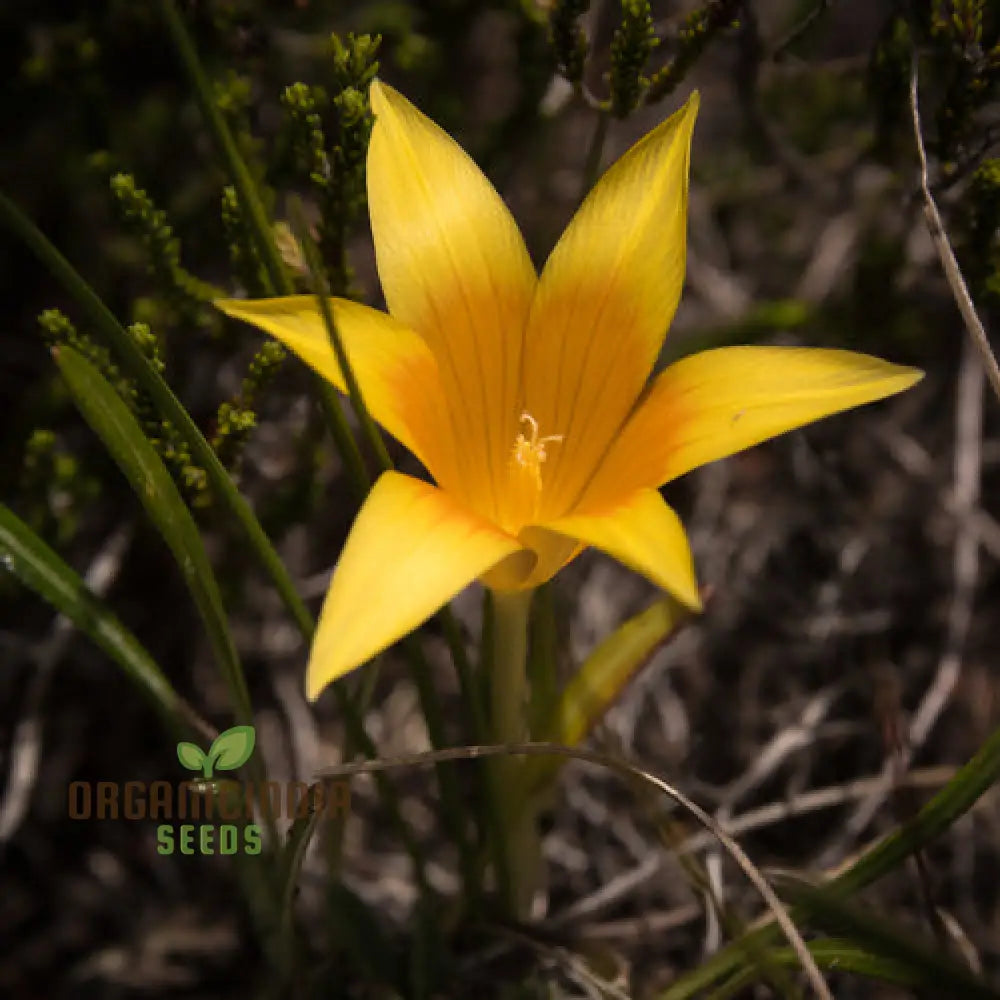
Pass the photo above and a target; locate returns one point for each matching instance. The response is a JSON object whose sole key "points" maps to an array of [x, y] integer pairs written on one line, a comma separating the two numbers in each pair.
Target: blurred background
{"points": [[845, 664]]}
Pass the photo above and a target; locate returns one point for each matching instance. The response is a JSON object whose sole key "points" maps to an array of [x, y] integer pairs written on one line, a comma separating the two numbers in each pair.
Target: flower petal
{"points": [[411, 549], [454, 268], [646, 535], [718, 402], [395, 370], [605, 299], [550, 553]]}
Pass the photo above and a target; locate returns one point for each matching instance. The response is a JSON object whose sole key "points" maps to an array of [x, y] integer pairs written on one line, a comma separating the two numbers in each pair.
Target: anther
{"points": [[529, 452]]}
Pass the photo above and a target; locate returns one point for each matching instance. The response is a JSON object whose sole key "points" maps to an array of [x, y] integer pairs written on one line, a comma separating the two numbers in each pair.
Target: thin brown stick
{"points": [[621, 766], [949, 263], [764, 816]]}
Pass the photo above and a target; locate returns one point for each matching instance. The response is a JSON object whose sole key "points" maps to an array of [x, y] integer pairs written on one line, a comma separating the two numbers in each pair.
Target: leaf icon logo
{"points": [[229, 750]]}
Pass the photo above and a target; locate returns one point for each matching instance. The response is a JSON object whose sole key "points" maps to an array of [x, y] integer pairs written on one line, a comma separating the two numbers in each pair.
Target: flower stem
{"points": [[508, 705], [592, 165]]}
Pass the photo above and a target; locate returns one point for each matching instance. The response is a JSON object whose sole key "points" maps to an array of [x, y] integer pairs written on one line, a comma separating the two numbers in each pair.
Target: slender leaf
{"points": [[309, 249], [290, 861], [241, 176], [362, 940], [115, 425], [601, 680], [28, 557], [356, 929], [833, 955], [948, 805], [938, 972]]}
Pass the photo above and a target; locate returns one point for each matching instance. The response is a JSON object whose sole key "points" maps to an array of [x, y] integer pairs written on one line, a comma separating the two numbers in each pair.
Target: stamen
{"points": [[529, 452]]}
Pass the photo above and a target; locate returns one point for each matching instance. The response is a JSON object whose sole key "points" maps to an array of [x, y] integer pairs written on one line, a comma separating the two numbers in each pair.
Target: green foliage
{"points": [[309, 142], [113, 422], [355, 61], [184, 291], [244, 254], [328, 136], [633, 41], [983, 258], [25, 556], [53, 489], [965, 54], [58, 331], [698, 29], [568, 39], [889, 85], [233, 96], [162, 434], [236, 418]]}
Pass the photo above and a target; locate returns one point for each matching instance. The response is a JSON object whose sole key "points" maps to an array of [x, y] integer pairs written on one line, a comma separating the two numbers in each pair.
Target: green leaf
{"points": [[226, 144], [940, 974], [232, 748], [28, 558], [950, 803], [361, 938], [290, 860], [190, 756], [601, 680], [115, 425], [834, 955]]}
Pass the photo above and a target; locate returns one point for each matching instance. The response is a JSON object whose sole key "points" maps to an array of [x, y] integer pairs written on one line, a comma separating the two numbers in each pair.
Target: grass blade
{"points": [[40, 569], [121, 434], [938, 972], [604, 675], [833, 955], [948, 805], [242, 179]]}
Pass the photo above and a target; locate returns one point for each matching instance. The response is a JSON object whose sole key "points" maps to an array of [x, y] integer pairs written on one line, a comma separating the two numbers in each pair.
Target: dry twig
{"points": [[949, 262]]}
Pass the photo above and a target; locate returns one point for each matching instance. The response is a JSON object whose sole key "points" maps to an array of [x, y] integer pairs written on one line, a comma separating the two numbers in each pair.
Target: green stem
{"points": [[592, 164], [493, 806], [368, 427], [509, 709], [241, 176]]}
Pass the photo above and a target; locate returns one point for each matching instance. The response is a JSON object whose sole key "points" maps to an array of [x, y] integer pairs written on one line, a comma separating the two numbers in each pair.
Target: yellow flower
{"points": [[525, 397]]}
